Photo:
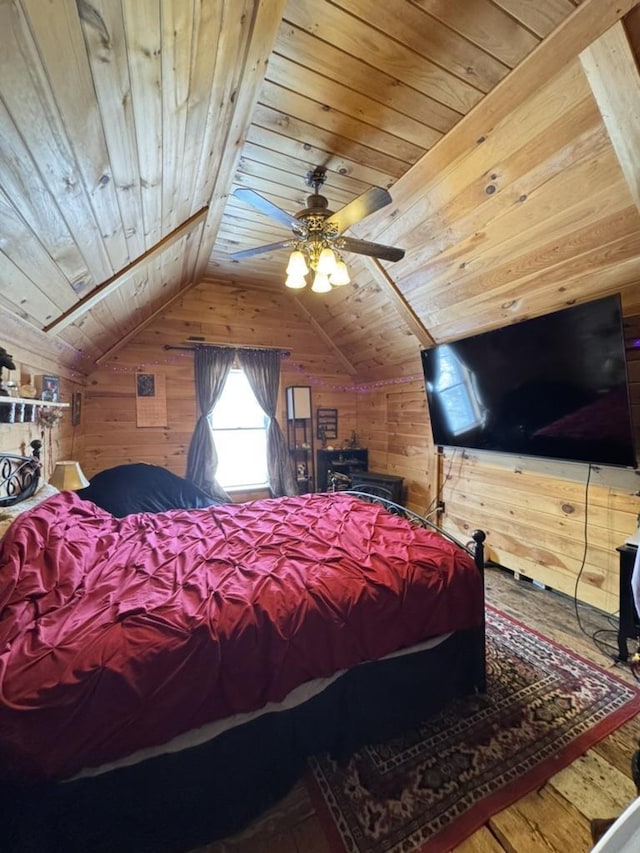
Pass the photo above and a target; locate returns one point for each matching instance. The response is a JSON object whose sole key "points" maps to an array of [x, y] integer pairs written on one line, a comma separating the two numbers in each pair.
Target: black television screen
{"points": [[555, 386]]}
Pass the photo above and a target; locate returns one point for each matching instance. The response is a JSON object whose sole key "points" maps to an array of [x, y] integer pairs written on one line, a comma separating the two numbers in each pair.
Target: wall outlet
{"points": [[440, 506]]}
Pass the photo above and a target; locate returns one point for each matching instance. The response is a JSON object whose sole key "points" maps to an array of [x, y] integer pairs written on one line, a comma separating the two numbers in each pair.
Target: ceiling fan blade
{"points": [[374, 250], [264, 206], [370, 201], [259, 250]]}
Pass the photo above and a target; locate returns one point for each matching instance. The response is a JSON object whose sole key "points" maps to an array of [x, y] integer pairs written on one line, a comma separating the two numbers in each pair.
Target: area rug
{"points": [[437, 784]]}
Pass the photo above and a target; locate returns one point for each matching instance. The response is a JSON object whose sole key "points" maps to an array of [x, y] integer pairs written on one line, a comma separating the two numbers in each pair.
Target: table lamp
{"points": [[67, 475]]}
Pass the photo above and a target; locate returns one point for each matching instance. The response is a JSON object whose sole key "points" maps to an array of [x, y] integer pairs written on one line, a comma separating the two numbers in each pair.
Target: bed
{"points": [[164, 674]]}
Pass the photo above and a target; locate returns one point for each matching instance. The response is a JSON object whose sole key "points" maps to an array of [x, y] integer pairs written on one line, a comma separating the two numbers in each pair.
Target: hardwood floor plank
{"points": [[543, 820], [595, 787], [482, 841], [620, 745]]}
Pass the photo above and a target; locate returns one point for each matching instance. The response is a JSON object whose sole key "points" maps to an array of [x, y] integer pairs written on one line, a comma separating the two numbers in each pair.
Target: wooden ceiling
{"points": [[125, 126]]}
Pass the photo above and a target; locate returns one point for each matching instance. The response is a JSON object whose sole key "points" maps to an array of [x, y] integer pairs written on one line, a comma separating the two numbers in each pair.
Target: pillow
{"points": [[141, 487], [8, 514]]}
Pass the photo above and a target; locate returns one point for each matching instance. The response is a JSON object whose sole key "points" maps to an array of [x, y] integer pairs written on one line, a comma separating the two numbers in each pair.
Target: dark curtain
{"points": [[262, 369], [211, 368]]}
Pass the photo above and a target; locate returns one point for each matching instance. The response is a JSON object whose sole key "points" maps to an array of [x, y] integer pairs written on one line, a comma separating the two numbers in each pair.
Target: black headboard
{"points": [[19, 475]]}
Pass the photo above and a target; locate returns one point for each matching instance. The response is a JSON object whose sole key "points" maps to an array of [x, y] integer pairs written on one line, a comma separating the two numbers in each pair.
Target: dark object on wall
{"points": [[76, 408], [326, 424], [145, 385], [554, 387], [140, 487]]}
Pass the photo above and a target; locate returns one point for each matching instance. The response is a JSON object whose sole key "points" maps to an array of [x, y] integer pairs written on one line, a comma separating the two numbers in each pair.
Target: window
{"points": [[240, 432]]}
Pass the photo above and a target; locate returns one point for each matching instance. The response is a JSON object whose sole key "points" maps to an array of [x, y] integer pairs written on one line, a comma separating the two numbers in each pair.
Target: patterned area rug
{"points": [[432, 788]]}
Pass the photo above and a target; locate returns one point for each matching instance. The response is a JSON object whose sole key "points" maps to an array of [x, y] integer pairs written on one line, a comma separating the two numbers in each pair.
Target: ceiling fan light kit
{"points": [[318, 236]]}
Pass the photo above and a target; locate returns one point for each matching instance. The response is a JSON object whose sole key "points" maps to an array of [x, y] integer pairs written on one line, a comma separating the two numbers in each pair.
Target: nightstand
{"points": [[629, 622]]}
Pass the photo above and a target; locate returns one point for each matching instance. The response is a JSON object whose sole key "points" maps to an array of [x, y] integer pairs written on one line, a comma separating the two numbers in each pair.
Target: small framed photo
{"points": [[145, 385], [50, 389], [76, 408]]}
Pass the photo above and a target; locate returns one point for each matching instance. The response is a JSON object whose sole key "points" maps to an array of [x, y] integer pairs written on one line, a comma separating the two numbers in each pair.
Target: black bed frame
{"points": [[19, 475], [176, 802]]}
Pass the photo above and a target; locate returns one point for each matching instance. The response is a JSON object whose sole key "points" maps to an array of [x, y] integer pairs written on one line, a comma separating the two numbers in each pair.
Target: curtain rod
{"points": [[196, 344]]}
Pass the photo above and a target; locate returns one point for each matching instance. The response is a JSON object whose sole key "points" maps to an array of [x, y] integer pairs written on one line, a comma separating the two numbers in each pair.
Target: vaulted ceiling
{"points": [[125, 126]]}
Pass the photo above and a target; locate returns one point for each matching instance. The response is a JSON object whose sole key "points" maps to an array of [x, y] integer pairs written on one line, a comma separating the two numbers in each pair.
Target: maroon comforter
{"points": [[120, 633]]}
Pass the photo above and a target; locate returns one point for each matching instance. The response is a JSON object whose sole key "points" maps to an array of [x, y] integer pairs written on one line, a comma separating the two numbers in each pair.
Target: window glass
{"points": [[240, 433]]}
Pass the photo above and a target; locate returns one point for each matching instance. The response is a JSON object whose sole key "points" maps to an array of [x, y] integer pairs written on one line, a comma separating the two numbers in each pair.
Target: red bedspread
{"points": [[120, 633]]}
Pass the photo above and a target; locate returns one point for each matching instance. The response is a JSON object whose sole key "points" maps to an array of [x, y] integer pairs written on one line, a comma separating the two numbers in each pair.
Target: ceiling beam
{"points": [[610, 67], [111, 284], [384, 280]]}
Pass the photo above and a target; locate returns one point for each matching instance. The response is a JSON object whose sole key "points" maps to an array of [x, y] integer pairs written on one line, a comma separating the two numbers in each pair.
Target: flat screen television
{"points": [[555, 387]]}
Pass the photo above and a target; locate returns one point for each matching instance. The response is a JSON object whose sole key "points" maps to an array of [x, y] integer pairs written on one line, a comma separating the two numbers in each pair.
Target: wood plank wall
{"points": [[558, 523], [220, 313], [394, 424]]}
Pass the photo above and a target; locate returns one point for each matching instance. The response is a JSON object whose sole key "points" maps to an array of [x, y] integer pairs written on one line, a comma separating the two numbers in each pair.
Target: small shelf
{"points": [[31, 401]]}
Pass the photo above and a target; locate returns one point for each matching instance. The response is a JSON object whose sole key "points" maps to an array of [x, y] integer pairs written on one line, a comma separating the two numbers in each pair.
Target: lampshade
{"points": [[295, 281], [297, 265], [340, 275], [326, 261], [67, 475], [321, 283]]}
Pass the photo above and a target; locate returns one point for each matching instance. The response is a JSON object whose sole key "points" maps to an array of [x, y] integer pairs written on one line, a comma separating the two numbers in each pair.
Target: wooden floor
{"points": [[557, 816]]}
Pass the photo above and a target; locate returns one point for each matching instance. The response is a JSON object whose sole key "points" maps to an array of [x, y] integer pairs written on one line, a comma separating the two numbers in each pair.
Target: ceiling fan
{"points": [[317, 234]]}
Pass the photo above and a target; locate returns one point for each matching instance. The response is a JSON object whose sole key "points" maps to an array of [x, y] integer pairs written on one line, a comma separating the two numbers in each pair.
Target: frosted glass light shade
{"points": [[295, 281], [340, 275], [297, 265], [326, 262], [321, 283], [67, 475]]}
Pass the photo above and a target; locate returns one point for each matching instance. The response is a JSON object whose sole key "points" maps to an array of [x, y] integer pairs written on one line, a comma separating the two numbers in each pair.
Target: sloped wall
{"points": [[219, 313]]}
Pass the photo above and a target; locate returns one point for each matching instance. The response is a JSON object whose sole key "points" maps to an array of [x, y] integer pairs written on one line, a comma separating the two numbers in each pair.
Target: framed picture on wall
{"points": [[151, 400], [50, 388]]}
